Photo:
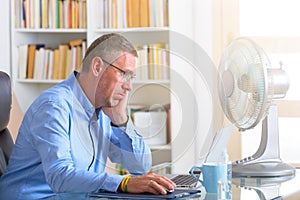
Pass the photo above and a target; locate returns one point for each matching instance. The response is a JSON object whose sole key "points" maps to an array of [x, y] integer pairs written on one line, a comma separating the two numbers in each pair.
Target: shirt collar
{"points": [[80, 95]]}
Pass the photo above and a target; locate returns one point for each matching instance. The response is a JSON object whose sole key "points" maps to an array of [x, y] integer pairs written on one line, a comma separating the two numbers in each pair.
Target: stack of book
{"points": [[132, 13], [50, 13], [41, 63], [153, 62]]}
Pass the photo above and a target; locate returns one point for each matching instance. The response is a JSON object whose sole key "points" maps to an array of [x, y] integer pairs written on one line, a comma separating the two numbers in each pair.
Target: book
{"points": [[105, 13], [31, 13], [142, 64], [31, 58], [73, 57], [39, 63], [27, 13], [63, 49], [18, 13], [30, 61], [157, 60], [166, 12], [132, 13], [82, 14], [139, 61], [135, 12], [69, 66], [159, 13], [22, 61], [57, 13], [67, 14], [77, 67], [144, 13], [60, 14], [121, 10], [78, 49], [36, 14], [44, 15], [51, 64], [83, 49], [165, 63], [114, 14], [152, 13], [44, 63], [76, 42], [23, 15], [151, 63], [74, 14], [55, 69]]}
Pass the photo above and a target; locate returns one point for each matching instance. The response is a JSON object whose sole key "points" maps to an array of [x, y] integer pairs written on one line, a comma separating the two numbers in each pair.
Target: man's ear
{"points": [[97, 66]]}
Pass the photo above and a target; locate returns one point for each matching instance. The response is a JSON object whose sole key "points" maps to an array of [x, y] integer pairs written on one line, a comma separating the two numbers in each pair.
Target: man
{"points": [[70, 130]]}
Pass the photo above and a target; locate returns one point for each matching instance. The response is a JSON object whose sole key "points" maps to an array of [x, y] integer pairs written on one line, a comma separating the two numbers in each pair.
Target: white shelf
{"points": [[151, 82], [35, 81], [47, 30], [139, 29], [160, 147]]}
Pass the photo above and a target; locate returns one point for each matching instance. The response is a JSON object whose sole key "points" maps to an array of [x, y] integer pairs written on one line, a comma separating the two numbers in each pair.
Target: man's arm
{"points": [[129, 149], [51, 138]]}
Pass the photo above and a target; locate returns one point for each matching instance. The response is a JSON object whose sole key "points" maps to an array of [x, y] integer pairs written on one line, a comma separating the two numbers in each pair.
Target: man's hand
{"points": [[117, 114], [151, 182]]}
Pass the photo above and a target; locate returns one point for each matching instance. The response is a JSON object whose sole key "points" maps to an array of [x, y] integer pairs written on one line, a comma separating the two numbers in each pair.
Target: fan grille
{"points": [[243, 83]]}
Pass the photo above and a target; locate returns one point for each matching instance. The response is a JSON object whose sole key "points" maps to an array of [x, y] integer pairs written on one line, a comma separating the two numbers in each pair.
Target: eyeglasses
{"points": [[126, 76]]}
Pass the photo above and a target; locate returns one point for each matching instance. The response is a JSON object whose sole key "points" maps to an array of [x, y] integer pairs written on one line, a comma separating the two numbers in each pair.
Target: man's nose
{"points": [[127, 85]]}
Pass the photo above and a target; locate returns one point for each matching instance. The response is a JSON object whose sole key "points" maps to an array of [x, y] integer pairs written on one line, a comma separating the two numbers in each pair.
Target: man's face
{"points": [[111, 87]]}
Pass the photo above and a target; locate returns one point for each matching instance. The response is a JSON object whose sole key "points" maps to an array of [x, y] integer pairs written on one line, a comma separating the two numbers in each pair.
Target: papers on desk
{"points": [[177, 194]]}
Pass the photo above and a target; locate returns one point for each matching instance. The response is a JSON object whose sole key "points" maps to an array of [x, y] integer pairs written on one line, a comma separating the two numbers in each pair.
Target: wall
{"points": [[191, 45]]}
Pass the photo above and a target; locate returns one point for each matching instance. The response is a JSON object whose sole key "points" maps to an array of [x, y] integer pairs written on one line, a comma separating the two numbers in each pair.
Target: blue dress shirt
{"points": [[63, 145]]}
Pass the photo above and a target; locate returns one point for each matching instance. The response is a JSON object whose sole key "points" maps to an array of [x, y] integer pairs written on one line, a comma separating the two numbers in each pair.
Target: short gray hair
{"points": [[108, 47]]}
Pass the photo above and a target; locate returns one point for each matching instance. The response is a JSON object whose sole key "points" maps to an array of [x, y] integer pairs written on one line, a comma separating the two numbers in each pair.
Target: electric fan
{"points": [[247, 87]]}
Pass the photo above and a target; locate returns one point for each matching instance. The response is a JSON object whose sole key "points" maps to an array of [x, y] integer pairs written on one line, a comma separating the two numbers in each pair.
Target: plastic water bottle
{"points": [[224, 184]]}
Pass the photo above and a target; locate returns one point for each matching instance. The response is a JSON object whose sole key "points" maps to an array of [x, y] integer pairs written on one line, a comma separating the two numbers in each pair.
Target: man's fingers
{"points": [[157, 188], [164, 181]]}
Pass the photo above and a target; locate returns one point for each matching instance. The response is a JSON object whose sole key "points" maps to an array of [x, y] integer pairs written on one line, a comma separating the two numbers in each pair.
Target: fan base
{"points": [[262, 169]]}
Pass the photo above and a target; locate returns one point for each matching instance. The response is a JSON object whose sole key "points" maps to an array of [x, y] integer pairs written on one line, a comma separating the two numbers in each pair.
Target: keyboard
{"points": [[184, 181]]}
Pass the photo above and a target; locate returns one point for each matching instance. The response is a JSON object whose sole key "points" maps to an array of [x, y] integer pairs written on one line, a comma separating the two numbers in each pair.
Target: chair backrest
{"points": [[6, 141]]}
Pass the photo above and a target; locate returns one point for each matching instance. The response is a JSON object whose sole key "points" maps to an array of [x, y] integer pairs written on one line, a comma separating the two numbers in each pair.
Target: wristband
{"points": [[124, 183]]}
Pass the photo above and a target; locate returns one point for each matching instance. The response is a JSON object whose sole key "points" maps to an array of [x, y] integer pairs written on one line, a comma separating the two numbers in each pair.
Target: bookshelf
{"points": [[39, 23], [150, 91]]}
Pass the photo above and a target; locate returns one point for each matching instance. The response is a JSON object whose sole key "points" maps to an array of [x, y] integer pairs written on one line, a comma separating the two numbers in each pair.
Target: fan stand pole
{"points": [[266, 161]]}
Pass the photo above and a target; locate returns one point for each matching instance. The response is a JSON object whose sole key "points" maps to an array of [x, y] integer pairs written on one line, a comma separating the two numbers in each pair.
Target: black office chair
{"points": [[6, 141]]}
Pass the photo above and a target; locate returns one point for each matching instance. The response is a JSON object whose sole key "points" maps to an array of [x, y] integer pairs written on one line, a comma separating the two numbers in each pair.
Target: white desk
{"points": [[242, 189], [267, 188]]}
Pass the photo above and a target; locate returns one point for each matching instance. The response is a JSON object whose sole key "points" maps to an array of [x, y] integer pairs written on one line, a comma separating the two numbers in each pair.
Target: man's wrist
{"points": [[124, 184], [120, 125]]}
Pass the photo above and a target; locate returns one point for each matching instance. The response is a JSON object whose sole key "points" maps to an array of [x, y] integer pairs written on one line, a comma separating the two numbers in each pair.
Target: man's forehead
{"points": [[127, 58]]}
